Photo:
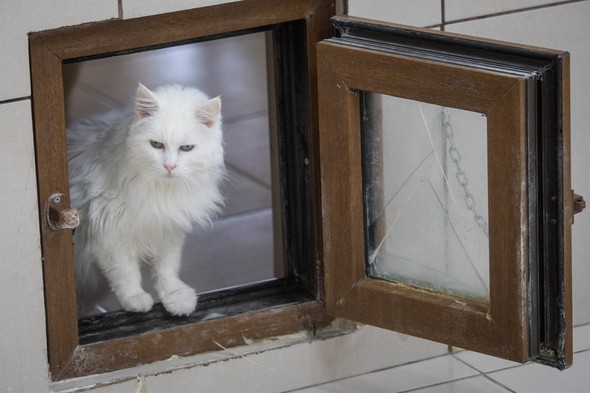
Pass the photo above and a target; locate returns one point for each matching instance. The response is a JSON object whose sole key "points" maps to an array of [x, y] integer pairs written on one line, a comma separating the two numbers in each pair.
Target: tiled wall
{"points": [[22, 326]]}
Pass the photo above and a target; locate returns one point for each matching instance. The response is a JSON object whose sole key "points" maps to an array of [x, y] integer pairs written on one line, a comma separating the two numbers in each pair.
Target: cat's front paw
{"points": [[141, 302], [182, 301]]}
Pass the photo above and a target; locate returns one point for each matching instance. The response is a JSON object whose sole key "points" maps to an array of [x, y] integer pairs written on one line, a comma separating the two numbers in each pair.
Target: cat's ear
{"points": [[210, 113], [145, 103]]}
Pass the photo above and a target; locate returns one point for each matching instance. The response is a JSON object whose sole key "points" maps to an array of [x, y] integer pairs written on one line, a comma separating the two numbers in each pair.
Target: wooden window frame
{"points": [[291, 308], [527, 316], [318, 120]]}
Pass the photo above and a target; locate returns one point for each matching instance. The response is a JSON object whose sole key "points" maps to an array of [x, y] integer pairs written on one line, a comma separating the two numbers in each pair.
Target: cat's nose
{"points": [[169, 167]]}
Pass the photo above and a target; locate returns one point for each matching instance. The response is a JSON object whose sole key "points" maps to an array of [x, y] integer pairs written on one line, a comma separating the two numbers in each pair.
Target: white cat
{"points": [[140, 179]]}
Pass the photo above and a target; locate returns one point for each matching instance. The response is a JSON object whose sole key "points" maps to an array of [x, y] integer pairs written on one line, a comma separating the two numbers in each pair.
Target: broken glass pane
{"points": [[426, 195]]}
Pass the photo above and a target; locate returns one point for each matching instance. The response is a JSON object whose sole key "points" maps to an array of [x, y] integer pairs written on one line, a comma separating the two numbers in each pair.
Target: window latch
{"points": [[59, 216], [579, 204]]}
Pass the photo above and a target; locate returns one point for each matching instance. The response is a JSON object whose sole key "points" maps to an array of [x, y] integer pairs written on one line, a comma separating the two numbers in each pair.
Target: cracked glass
{"points": [[426, 195]]}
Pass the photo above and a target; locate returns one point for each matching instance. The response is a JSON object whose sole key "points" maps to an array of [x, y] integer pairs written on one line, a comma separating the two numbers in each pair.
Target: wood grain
{"points": [[186, 340], [52, 178]]}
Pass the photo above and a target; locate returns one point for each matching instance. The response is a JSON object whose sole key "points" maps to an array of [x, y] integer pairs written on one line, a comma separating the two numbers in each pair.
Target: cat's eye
{"points": [[186, 147], [157, 145]]}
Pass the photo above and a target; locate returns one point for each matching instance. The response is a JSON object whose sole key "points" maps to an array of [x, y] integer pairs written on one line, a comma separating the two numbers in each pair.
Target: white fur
{"points": [[136, 201]]}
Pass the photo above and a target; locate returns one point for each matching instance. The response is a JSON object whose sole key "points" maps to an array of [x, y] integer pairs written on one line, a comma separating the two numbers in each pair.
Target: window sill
{"points": [[335, 329]]}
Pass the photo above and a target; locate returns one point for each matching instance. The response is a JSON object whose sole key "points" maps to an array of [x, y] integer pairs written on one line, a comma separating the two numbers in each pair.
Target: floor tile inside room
{"points": [[470, 372]]}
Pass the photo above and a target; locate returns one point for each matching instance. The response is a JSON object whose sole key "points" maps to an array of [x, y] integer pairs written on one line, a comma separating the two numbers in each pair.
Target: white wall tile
{"points": [[478, 384], [299, 365], [562, 27], [21, 17], [409, 12], [401, 379], [133, 385], [535, 378], [461, 9], [22, 325], [137, 8], [484, 363]]}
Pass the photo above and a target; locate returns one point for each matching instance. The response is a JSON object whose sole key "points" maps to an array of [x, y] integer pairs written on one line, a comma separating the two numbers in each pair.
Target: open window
{"points": [[284, 300], [420, 182], [446, 189]]}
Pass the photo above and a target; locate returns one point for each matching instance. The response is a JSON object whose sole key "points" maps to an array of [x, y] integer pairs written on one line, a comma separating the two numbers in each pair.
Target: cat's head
{"points": [[175, 133]]}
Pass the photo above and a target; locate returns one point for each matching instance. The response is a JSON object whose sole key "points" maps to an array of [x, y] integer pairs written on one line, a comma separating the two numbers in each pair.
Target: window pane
{"points": [[426, 195], [243, 245]]}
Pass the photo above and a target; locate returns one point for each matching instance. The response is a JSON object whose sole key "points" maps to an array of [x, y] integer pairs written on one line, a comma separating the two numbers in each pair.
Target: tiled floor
{"points": [[470, 372]]}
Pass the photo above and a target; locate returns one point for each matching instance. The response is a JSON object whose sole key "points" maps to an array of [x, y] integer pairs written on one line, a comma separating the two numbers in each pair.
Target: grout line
{"points": [[242, 214], [120, 5], [479, 373], [245, 116], [441, 383], [442, 15], [11, 100], [465, 363], [491, 371], [498, 383], [365, 373], [245, 174], [516, 11]]}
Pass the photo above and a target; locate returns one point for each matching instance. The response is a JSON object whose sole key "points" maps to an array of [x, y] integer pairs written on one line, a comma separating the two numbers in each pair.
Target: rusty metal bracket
{"points": [[59, 215]]}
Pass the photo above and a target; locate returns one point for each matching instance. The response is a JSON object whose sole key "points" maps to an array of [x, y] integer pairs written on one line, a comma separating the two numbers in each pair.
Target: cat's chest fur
{"points": [[138, 208]]}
